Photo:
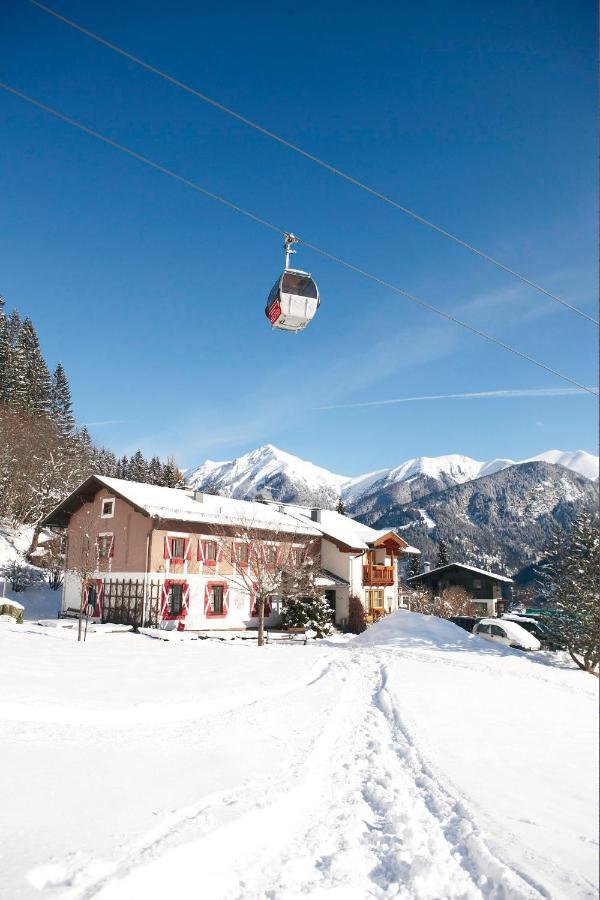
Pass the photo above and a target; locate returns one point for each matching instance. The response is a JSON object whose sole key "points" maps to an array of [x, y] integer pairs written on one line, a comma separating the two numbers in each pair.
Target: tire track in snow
{"points": [[360, 817], [495, 879]]}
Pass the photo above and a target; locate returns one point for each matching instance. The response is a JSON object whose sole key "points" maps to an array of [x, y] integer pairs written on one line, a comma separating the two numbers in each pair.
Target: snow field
{"points": [[398, 764]]}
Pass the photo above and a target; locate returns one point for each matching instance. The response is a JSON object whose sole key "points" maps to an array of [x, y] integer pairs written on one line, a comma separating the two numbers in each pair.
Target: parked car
{"points": [[508, 633], [466, 622], [537, 629]]}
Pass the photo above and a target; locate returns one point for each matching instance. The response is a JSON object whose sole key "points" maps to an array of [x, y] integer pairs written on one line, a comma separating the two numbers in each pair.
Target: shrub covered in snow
{"points": [[312, 613], [11, 608]]}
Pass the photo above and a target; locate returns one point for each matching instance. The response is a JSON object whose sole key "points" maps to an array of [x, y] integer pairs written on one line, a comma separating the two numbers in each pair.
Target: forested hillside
{"points": [[44, 453]]}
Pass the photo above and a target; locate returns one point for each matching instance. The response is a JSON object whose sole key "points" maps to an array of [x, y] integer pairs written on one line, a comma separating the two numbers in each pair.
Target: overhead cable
{"points": [[261, 221], [315, 159]]}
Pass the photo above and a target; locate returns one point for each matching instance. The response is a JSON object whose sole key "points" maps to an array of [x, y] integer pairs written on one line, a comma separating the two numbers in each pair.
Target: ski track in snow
{"points": [[360, 816]]}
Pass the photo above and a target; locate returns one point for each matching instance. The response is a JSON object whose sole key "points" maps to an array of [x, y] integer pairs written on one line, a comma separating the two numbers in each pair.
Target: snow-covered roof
{"points": [[182, 506], [463, 566], [340, 528]]}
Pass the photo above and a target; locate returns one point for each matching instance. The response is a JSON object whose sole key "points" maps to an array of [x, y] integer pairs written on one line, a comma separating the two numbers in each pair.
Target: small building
{"points": [[490, 591], [172, 557]]}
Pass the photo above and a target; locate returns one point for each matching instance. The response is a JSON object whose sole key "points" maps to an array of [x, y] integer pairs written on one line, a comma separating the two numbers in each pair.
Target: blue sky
{"points": [[480, 116]]}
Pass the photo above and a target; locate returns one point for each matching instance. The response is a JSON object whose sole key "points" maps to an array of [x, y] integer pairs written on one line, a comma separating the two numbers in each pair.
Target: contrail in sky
{"points": [[477, 395], [106, 422]]}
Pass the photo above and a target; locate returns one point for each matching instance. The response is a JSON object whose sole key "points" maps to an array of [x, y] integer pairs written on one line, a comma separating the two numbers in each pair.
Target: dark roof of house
{"points": [[458, 565]]}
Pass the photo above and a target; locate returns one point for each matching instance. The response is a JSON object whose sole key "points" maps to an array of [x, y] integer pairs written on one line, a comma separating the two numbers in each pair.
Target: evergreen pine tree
{"points": [[34, 372], [138, 467], [171, 476], [340, 507], [4, 355], [61, 408], [415, 566], [155, 470], [16, 383], [442, 555], [571, 578], [123, 467]]}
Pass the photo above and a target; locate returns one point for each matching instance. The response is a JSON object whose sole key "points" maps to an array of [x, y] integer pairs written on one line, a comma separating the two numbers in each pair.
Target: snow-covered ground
{"points": [[39, 600], [415, 761]]}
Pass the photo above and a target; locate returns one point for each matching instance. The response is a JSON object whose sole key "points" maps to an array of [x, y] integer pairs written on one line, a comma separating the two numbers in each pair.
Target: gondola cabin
{"points": [[293, 301]]}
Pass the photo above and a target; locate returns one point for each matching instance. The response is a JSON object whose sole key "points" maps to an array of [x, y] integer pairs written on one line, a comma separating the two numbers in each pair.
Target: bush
{"points": [[9, 609], [312, 613], [356, 616]]}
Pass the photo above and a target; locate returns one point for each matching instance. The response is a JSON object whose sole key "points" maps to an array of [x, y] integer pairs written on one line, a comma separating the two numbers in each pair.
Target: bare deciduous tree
{"points": [[266, 563], [455, 601]]}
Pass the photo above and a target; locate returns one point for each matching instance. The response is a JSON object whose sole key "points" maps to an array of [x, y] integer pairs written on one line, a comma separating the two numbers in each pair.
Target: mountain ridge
{"points": [[275, 473], [496, 513]]}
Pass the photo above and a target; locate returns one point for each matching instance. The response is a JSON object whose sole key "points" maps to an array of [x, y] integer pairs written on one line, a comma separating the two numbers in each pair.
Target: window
{"points": [[477, 582], [242, 553], [498, 632], [271, 555], [175, 599], [216, 600], [107, 509], [209, 549], [177, 548], [105, 545], [374, 601], [483, 629]]}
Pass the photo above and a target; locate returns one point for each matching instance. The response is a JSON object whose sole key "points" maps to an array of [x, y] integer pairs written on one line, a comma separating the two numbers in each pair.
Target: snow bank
{"points": [[408, 629]]}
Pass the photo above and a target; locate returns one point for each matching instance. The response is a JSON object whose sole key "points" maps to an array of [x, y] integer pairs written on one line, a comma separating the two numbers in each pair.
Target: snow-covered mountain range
{"points": [[498, 513], [273, 473]]}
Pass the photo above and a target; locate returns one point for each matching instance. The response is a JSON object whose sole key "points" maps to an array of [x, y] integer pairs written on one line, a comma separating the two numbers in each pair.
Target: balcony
{"points": [[378, 576]]}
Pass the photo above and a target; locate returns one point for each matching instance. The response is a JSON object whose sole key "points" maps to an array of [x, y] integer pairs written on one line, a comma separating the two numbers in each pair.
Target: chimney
{"points": [[315, 515], [199, 496], [427, 567]]}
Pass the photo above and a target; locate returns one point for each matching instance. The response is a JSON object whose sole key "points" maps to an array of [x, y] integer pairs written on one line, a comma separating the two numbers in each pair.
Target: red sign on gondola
{"points": [[274, 312]]}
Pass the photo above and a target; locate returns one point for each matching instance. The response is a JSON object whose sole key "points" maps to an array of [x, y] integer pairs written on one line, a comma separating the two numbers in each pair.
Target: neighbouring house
{"points": [[142, 553], [490, 591]]}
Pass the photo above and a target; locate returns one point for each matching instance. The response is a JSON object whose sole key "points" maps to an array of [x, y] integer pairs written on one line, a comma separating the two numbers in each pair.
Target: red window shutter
{"points": [[206, 600], [187, 554], [185, 600], [225, 601], [167, 551], [164, 600], [200, 551], [111, 550]]}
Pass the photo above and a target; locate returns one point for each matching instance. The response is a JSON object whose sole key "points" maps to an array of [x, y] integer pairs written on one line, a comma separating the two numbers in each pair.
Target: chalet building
{"points": [[490, 592], [138, 552]]}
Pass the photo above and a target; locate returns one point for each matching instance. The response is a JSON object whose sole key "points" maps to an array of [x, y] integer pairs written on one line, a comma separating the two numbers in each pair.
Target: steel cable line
{"points": [[320, 162], [261, 221]]}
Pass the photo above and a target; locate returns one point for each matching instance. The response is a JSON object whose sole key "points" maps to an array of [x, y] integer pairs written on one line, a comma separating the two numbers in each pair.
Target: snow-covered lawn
{"points": [[414, 761]]}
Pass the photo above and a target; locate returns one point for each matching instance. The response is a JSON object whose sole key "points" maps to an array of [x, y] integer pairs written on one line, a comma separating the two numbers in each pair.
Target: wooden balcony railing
{"points": [[378, 576]]}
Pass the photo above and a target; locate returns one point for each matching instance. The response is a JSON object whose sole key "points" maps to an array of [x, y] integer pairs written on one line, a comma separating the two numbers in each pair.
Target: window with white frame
{"points": [[216, 599], [107, 510], [209, 549]]}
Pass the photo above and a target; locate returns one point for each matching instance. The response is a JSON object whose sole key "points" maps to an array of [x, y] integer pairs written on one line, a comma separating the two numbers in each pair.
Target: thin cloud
{"points": [[475, 395]]}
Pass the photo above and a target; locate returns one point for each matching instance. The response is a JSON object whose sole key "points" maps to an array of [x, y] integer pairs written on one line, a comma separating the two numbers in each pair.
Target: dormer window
{"points": [[107, 510]]}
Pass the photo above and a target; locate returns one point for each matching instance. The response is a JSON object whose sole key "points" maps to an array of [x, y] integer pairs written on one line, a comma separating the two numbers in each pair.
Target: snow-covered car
{"points": [[508, 633], [537, 629]]}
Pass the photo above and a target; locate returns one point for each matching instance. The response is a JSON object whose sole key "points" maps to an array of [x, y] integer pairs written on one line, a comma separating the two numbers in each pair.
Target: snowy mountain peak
{"points": [[273, 472]]}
